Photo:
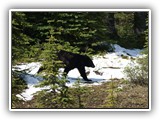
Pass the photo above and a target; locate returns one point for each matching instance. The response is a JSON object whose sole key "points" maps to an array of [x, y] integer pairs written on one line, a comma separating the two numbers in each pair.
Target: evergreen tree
{"points": [[20, 40], [111, 26], [80, 31], [130, 28], [58, 91], [124, 26], [20, 52]]}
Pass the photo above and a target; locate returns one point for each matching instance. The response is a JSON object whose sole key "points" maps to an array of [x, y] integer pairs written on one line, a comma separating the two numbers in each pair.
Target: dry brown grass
{"points": [[102, 96], [133, 96]]}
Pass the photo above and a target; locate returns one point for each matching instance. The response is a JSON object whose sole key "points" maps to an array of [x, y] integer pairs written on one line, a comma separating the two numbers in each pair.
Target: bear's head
{"points": [[88, 62]]}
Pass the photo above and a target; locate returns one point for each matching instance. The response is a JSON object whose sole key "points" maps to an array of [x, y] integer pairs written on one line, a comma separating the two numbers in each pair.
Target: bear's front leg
{"points": [[83, 73]]}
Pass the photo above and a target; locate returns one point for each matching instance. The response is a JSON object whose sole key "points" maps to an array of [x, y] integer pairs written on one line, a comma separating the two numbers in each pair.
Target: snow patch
{"points": [[28, 93], [108, 66], [31, 68], [127, 52]]}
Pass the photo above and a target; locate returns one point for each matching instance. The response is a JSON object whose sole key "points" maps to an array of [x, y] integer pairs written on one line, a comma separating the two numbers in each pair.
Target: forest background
{"points": [[38, 36]]}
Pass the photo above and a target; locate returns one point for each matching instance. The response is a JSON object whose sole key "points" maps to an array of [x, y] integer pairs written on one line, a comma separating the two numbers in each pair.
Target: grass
{"points": [[133, 96], [108, 95]]}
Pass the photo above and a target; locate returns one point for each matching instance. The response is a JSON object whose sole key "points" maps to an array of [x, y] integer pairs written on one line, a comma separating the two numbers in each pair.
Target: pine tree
{"points": [[130, 28], [124, 26], [20, 52], [20, 40], [58, 92]]}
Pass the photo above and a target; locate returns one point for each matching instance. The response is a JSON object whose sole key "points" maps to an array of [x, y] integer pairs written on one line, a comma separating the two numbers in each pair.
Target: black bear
{"points": [[72, 60]]}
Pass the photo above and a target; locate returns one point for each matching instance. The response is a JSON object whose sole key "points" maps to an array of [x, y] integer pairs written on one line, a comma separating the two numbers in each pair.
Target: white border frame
{"points": [[82, 10]]}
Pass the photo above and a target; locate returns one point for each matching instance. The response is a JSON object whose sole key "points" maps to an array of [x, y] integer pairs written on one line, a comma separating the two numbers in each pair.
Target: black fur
{"points": [[72, 60]]}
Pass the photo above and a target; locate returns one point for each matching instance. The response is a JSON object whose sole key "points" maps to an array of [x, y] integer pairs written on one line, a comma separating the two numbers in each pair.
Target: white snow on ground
{"points": [[31, 68], [108, 66], [122, 51]]}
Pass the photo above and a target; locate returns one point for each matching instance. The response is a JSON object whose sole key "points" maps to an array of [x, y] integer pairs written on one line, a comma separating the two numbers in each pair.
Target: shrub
{"points": [[138, 73]]}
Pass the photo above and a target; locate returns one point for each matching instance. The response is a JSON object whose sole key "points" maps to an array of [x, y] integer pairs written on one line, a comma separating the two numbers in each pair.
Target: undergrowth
{"points": [[115, 94]]}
